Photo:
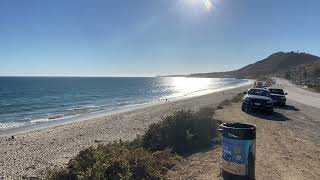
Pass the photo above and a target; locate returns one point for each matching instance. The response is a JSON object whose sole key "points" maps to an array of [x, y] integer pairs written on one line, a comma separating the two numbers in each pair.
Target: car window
{"points": [[276, 91], [259, 92]]}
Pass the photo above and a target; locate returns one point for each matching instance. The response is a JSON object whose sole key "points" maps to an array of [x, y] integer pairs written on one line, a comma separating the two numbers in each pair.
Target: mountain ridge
{"points": [[274, 65]]}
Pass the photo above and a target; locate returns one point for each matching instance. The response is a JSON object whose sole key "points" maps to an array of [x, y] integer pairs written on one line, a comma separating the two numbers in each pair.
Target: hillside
{"points": [[307, 74], [276, 64]]}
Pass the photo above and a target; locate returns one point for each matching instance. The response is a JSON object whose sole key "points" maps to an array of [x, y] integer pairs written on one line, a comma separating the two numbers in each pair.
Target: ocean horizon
{"points": [[35, 100]]}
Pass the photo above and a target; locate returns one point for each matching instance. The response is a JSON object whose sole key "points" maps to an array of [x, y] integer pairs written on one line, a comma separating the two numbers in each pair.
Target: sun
{"points": [[207, 4]]}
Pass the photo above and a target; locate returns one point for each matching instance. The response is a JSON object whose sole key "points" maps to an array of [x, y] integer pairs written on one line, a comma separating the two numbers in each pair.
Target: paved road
{"points": [[299, 94]]}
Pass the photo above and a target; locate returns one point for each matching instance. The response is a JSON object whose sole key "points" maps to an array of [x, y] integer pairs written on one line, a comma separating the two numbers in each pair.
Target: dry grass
{"points": [[228, 102]]}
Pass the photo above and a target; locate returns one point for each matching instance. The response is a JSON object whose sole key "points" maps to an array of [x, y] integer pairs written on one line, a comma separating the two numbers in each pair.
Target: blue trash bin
{"points": [[238, 151]]}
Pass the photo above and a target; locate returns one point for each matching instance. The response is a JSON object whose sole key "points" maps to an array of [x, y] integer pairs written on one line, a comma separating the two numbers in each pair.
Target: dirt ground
{"points": [[288, 145]]}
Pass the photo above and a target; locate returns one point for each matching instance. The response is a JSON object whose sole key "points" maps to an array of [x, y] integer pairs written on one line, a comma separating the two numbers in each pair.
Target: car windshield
{"points": [[276, 91], [259, 92]]}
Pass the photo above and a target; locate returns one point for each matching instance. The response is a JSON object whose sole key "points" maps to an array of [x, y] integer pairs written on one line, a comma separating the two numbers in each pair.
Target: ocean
{"points": [[30, 101]]}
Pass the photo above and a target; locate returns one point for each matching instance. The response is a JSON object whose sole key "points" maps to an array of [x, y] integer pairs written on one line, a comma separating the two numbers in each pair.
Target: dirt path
{"points": [[288, 145]]}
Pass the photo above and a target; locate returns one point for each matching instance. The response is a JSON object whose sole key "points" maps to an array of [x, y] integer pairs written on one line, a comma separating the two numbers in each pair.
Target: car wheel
{"points": [[243, 108], [270, 112]]}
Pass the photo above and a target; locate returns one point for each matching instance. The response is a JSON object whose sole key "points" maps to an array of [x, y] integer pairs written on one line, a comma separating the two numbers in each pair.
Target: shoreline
{"points": [[93, 115], [31, 153]]}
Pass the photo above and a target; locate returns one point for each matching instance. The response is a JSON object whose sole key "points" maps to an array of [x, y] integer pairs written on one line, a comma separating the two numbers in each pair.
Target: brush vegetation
{"points": [[228, 102], [116, 161], [183, 132], [149, 156]]}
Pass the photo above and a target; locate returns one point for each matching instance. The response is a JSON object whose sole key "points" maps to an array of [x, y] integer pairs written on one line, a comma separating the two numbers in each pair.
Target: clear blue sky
{"points": [[150, 37]]}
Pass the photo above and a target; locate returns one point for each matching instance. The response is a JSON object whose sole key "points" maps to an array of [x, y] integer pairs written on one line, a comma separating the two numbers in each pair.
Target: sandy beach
{"points": [[30, 154]]}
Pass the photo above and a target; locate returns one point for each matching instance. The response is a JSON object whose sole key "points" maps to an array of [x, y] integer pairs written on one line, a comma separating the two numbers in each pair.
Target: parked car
{"points": [[257, 99], [261, 84], [278, 96], [258, 84]]}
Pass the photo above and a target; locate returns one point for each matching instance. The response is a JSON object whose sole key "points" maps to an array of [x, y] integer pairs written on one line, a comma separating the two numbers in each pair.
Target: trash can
{"points": [[238, 151]]}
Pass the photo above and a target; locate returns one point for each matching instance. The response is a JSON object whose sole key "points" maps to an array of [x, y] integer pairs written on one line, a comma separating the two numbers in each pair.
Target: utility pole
{"points": [[305, 76], [300, 76]]}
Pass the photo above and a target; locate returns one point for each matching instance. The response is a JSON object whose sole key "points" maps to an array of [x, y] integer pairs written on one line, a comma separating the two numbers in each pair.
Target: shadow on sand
{"points": [[274, 117], [288, 108]]}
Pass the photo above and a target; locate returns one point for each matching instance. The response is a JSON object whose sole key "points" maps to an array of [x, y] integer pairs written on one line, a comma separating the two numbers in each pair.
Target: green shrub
{"points": [[157, 137], [149, 156], [116, 161], [183, 132]]}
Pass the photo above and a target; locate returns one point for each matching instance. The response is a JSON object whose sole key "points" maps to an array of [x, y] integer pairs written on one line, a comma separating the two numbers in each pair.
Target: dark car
{"points": [[278, 96], [257, 99]]}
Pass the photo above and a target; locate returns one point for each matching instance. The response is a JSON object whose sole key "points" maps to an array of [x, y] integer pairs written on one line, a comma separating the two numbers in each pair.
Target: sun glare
{"points": [[207, 4], [187, 85]]}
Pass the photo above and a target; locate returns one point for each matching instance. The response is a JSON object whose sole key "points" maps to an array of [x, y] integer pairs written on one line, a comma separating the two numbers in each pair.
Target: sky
{"points": [[150, 37]]}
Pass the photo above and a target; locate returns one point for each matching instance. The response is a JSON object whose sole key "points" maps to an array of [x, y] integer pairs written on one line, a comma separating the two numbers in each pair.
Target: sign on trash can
{"points": [[238, 151]]}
